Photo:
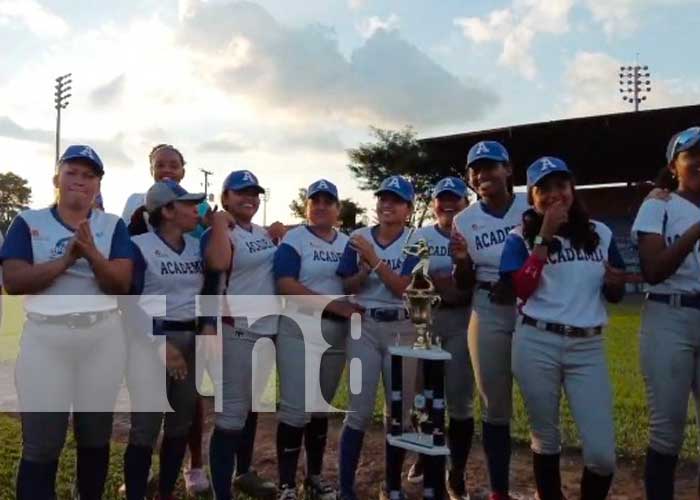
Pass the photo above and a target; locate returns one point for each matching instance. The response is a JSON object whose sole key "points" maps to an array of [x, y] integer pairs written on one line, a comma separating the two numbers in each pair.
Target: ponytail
{"points": [[666, 180]]}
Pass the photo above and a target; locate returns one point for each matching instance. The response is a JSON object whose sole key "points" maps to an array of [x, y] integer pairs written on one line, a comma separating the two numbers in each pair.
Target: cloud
{"points": [[109, 93], [369, 26], [357, 4], [111, 151], [516, 28], [221, 146], [590, 88], [245, 51], [34, 17]]}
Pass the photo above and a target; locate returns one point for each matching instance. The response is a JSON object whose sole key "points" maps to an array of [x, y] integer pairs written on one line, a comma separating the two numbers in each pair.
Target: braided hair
{"points": [[164, 147]]}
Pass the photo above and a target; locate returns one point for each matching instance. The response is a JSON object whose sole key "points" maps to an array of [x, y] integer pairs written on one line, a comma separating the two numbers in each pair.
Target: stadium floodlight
{"points": [[61, 96], [635, 80]]}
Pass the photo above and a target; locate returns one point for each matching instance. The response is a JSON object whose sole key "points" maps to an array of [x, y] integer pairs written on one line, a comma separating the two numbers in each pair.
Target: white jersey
{"points": [[39, 236], [374, 293], [161, 270], [133, 202], [251, 274], [571, 284], [485, 234], [311, 260], [671, 219], [439, 244]]}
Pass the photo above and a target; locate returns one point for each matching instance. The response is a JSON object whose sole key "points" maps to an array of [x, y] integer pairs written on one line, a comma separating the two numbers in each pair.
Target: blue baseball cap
{"points": [[163, 192], [543, 167], [682, 141], [242, 179], [487, 150], [322, 186], [398, 185], [81, 152], [453, 185]]}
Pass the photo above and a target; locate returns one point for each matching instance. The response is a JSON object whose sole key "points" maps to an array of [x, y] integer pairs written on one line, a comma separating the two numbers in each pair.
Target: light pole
{"points": [[206, 173], [63, 87], [266, 198], [634, 81]]}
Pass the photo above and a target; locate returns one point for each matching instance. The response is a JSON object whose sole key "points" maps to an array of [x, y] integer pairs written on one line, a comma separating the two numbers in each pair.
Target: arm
{"points": [[449, 291], [464, 273], [614, 281], [523, 270], [353, 275], [218, 247], [394, 282], [658, 261]]}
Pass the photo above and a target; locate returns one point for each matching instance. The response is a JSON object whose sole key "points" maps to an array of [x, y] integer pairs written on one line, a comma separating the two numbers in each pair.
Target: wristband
{"points": [[539, 240]]}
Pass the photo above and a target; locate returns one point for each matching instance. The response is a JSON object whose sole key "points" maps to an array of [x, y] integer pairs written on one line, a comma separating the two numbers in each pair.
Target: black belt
{"points": [[164, 325], [676, 299], [564, 330], [384, 314], [74, 320]]}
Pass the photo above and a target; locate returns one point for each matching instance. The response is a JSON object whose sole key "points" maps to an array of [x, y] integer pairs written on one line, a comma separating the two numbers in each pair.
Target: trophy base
{"points": [[420, 443], [434, 353]]}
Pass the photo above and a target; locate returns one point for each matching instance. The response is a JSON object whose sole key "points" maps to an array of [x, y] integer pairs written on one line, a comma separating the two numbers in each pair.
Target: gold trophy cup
{"points": [[420, 296]]}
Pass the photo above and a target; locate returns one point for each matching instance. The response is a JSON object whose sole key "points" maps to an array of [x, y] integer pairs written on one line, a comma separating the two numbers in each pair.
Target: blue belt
{"points": [[384, 314]]}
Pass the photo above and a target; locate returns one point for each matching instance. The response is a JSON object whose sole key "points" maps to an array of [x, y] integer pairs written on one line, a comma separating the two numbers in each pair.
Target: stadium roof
{"points": [[622, 147]]}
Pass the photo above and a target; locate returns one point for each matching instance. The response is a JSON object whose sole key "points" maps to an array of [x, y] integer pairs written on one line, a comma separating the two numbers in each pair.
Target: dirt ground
{"points": [[627, 485]]}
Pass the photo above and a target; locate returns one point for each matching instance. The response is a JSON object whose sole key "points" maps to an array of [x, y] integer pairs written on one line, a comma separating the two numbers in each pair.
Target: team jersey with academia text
{"points": [[251, 272], [571, 284], [374, 293], [440, 255], [38, 236], [486, 234], [671, 219], [311, 260], [161, 270]]}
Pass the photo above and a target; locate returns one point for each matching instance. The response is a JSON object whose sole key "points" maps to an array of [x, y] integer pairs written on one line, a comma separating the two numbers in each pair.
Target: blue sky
{"points": [[283, 88]]}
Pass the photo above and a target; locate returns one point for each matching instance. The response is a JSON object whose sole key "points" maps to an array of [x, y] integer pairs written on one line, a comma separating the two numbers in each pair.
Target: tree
{"points": [[15, 195], [349, 211], [397, 153]]}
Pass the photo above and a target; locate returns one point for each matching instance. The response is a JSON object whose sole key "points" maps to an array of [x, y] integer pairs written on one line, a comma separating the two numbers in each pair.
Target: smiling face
{"points": [[167, 164], [557, 187], [446, 205], [322, 210], [78, 184], [686, 167], [489, 178], [242, 204], [392, 209]]}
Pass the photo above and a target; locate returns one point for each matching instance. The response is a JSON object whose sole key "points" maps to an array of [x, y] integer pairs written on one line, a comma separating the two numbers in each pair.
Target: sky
{"points": [[285, 88]]}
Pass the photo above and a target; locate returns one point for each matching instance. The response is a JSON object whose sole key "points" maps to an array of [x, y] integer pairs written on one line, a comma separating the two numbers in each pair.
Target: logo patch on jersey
{"points": [[35, 233], [60, 247]]}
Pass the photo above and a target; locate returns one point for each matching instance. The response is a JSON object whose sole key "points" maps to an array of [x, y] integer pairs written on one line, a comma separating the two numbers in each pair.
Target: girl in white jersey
{"points": [[168, 263], [244, 253], [371, 269], [562, 265], [479, 234], [668, 234], [72, 351], [450, 321], [305, 264]]}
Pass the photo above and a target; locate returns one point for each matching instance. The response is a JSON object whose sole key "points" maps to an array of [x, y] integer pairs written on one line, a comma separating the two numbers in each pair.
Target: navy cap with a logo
{"points": [[682, 141], [543, 167], [453, 185], [242, 179], [398, 185], [487, 150], [322, 186], [82, 152], [167, 191]]}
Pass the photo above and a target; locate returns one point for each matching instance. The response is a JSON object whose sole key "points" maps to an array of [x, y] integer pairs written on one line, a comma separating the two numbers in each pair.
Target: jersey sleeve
{"points": [[18, 242], [348, 263], [122, 246], [132, 203], [651, 218], [614, 257], [287, 262], [514, 254]]}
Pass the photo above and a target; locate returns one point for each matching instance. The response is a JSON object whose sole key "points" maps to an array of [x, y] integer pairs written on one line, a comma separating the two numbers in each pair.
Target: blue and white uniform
{"points": [[558, 344]]}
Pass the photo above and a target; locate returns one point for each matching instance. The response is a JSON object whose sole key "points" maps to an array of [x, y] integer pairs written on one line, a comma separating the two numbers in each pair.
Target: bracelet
{"points": [[376, 266]]}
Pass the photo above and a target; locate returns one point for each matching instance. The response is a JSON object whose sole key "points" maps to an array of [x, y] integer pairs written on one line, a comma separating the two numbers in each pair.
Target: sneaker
{"points": [[317, 488], [255, 486], [415, 473], [456, 489], [287, 492], [384, 494], [196, 481]]}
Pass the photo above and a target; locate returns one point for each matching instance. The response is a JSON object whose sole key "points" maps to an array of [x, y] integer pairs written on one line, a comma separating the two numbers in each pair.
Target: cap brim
{"points": [[195, 197], [567, 173], [396, 192], [241, 188], [487, 157], [98, 168], [325, 191], [449, 190]]}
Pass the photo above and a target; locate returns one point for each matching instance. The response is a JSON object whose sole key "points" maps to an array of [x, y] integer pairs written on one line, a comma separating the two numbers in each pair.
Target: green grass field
{"points": [[631, 420]]}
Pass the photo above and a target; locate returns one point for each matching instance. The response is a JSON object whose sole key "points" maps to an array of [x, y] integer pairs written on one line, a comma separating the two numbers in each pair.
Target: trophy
{"points": [[428, 412]]}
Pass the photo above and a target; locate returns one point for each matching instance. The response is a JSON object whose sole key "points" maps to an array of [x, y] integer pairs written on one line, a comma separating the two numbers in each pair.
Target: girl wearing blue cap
{"points": [[73, 350], [562, 266], [479, 234], [371, 269], [242, 253], [305, 264], [450, 321], [168, 263], [668, 234]]}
